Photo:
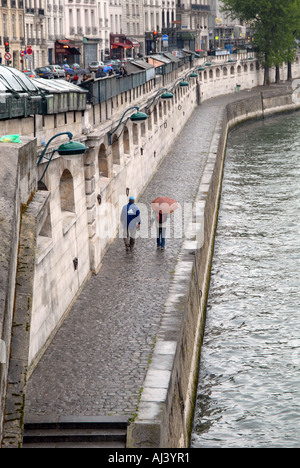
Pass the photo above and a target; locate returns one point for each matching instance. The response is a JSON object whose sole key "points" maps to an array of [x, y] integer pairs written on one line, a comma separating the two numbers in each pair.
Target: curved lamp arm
{"points": [[120, 122], [178, 81], [45, 149], [157, 96], [48, 143]]}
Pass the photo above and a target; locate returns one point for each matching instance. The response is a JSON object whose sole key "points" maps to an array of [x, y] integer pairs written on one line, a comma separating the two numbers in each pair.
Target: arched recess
{"points": [[155, 115], [102, 161], [160, 110], [116, 150], [149, 122], [126, 141], [66, 191], [143, 129], [135, 134]]}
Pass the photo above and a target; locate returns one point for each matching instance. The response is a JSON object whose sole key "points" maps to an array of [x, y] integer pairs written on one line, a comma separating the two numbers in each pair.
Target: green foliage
{"points": [[275, 24]]}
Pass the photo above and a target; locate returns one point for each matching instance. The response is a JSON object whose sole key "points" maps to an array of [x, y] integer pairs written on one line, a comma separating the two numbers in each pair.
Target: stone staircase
{"points": [[75, 432]]}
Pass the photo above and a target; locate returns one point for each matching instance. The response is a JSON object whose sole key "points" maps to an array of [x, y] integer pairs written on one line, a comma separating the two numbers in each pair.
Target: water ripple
{"points": [[249, 387]]}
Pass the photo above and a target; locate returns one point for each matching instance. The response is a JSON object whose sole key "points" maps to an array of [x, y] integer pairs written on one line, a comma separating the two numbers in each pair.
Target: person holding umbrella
{"points": [[160, 220], [100, 73], [162, 208]]}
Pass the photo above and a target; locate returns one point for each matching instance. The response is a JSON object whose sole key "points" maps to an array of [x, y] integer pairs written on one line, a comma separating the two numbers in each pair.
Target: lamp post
{"points": [[181, 81], [193, 74], [162, 93], [136, 117], [66, 149]]}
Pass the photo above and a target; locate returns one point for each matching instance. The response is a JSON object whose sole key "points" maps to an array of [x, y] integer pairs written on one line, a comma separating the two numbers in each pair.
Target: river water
{"points": [[249, 377]]}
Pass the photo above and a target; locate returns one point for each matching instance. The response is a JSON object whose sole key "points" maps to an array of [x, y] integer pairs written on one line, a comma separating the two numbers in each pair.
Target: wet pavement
{"points": [[97, 361]]}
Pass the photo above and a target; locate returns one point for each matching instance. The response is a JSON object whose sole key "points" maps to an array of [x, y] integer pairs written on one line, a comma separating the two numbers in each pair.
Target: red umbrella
{"points": [[164, 204]]}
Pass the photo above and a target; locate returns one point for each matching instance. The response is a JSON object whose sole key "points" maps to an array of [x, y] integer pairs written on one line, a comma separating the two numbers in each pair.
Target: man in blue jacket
{"points": [[131, 220]]}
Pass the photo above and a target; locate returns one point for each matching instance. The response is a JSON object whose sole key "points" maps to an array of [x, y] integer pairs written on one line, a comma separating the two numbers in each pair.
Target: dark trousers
{"points": [[161, 237], [129, 242]]}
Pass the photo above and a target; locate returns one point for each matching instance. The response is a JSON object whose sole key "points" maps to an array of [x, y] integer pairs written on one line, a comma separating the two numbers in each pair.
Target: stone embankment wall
{"points": [[18, 239], [167, 402]]}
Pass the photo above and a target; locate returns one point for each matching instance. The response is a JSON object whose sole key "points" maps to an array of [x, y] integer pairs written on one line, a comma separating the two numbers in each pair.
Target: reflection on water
{"points": [[249, 378]]}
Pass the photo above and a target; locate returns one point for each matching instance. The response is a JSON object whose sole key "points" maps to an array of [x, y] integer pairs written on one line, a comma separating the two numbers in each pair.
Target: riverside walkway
{"points": [[97, 362]]}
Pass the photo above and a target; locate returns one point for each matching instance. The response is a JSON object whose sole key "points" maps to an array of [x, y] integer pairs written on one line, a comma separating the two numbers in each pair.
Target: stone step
{"points": [[75, 432]]}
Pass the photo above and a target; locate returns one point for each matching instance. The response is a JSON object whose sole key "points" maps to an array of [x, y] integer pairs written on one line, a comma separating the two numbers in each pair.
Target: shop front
{"points": [[67, 51], [122, 47]]}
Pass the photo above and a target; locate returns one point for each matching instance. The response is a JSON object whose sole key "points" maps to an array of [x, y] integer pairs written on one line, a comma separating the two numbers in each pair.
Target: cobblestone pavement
{"points": [[98, 360]]}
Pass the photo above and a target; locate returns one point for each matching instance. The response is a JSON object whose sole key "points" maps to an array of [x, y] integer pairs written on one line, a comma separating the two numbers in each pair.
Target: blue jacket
{"points": [[130, 216]]}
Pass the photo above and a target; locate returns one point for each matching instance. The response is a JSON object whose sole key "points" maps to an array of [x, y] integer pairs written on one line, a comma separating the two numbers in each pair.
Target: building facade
{"points": [[81, 31], [11, 32]]}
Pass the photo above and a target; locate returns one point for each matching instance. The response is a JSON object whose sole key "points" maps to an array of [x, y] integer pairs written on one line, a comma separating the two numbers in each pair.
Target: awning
{"points": [[66, 42], [134, 42], [116, 45], [74, 51], [67, 47]]}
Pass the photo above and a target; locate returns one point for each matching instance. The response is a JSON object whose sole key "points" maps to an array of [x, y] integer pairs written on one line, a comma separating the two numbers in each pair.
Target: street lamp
{"points": [[162, 93], [136, 117], [193, 74], [66, 149]]}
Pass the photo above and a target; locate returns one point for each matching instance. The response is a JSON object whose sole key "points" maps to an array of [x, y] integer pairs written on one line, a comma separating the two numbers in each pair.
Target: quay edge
{"points": [[165, 413]]}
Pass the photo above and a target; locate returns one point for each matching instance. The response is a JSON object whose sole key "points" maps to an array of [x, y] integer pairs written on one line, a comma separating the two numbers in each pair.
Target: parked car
{"points": [[58, 71], [67, 68], [114, 64], [93, 66], [30, 73], [44, 72], [75, 66]]}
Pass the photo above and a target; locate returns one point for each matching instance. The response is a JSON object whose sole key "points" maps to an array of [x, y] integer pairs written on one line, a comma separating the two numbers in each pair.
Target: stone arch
{"points": [[165, 109], [149, 122], [135, 134], [155, 115], [143, 129], [66, 191], [102, 161], [245, 68], [115, 150], [239, 70], [232, 70], [225, 71], [251, 67], [126, 141], [218, 73], [211, 74], [205, 75], [160, 110]]}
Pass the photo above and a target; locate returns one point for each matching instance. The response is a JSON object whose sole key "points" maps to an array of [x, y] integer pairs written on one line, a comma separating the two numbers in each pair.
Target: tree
{"points": [[274, 24]]}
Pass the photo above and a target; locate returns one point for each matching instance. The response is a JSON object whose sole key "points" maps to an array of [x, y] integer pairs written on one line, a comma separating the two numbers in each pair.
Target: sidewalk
{"points": [[98, 360]]}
